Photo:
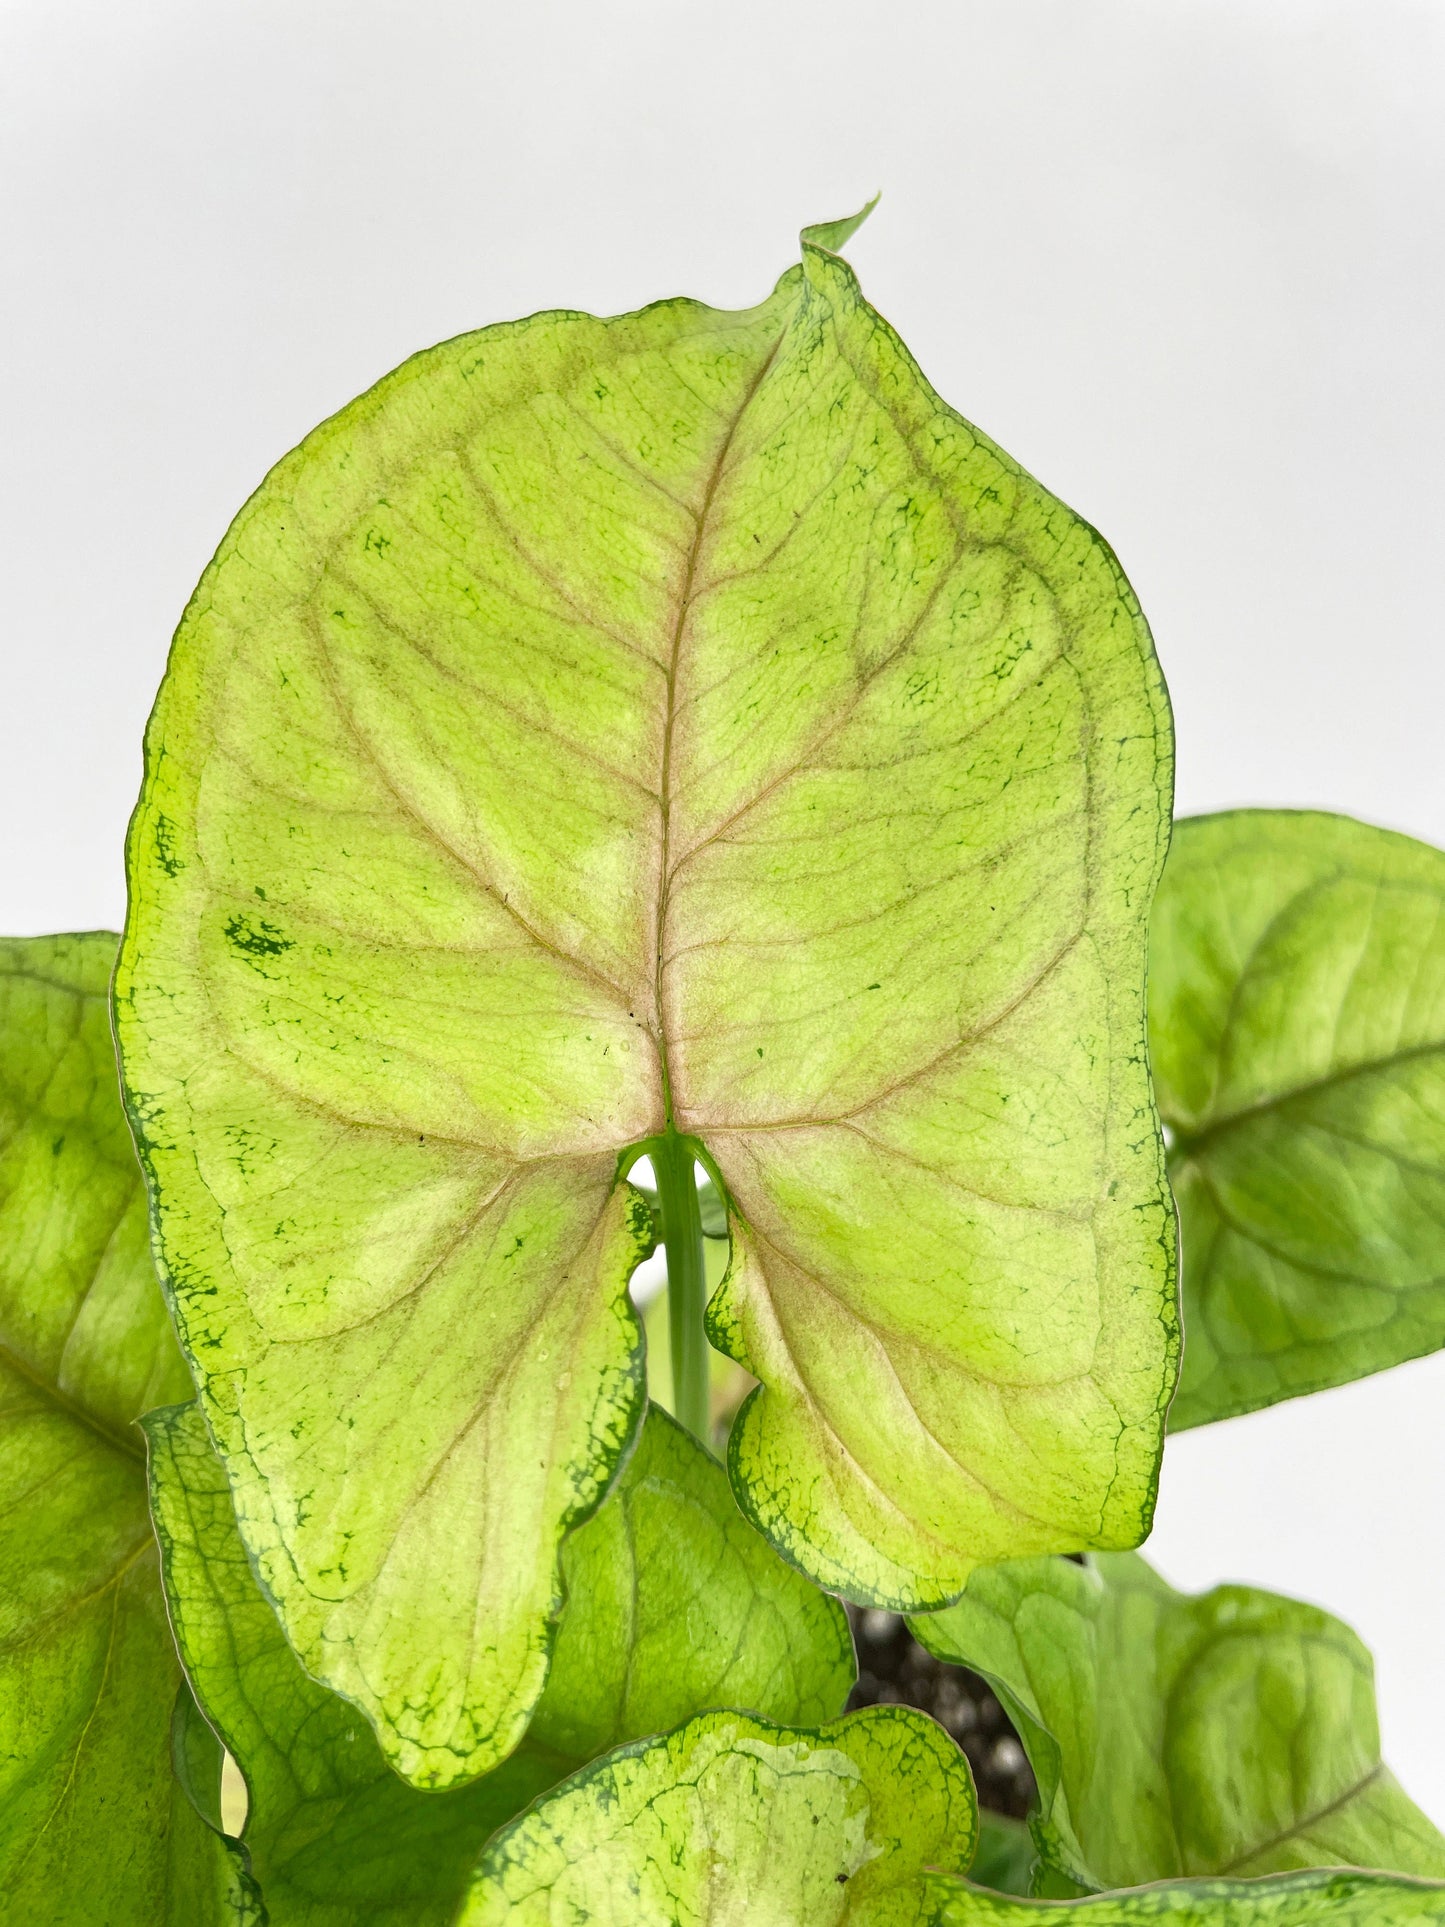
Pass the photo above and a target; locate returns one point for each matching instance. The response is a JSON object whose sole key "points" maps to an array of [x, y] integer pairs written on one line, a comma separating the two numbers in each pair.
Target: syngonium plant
{"points": [[671, 779]]}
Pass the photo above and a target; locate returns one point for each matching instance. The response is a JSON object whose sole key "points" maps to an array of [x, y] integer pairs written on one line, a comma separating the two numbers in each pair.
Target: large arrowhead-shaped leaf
{"points": [[1231, 1732], [602, 727], [1297, 1023], [1288, 1900], [93, 1825], [673, 1605], [729, 1819]]}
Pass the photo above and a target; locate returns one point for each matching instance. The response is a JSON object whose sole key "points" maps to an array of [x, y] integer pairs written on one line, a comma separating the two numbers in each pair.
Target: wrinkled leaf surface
{"points": [[1230, 1732]]}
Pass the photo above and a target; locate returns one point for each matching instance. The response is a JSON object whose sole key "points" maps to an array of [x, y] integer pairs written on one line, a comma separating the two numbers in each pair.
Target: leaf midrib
{"points": [[1188, 1144], [68, 1406], [1308, 1820], [684, 609]]}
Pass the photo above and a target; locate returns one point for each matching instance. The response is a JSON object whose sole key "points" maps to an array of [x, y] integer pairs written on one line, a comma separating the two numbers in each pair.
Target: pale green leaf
{"points": [[676, 1605], [335, 1838], [1297, 1027], [1287, 1900], [91, 1815], [1228, 1732], [729, 1820], [682, 720]]}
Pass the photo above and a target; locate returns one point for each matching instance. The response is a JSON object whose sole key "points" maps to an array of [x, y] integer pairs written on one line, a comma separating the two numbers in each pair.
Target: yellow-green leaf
{"points": [[673, 1605], [683, 721], [335, 1837], [729, 1819], [93, 1823]]}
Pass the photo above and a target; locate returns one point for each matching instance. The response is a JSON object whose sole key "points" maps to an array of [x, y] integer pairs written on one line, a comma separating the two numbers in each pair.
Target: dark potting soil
{"points": [[894, 1670]]}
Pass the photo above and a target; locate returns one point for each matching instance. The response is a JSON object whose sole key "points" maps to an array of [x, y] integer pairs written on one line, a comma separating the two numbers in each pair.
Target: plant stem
{"points": [[686, 1283]]}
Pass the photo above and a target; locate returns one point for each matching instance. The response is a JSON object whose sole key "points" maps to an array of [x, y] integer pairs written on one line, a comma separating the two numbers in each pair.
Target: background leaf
{"points": [[1290, 1900], [676, 1605], [729, 1819], [91, 1814], [603, 726], [1297, 1029], [1006, 1854], [1230, 1732]]}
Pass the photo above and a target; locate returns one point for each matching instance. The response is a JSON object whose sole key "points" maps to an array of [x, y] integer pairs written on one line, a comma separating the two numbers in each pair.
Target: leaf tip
{"points": [[833, 236]]}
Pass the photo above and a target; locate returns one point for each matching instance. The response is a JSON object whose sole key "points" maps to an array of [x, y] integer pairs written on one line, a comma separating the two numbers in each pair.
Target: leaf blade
{"points": [[727, 1813], [676, 1606], [1230, 1732], [441, 887], [1298, 1034], [336, 1838], [88, 1673]]}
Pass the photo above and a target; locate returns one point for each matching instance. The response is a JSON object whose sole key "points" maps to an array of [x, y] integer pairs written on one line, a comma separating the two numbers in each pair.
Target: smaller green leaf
{"points": [[677, 1605], [1288, 1900], [729, 1819], [1297, 1031], [1230, 1732]]}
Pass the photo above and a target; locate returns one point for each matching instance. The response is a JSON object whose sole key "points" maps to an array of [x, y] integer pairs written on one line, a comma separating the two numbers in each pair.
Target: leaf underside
{"points": [[681, 720], [1175, 1735], [89, 1806], [1297, 1025], [729, 1819]]}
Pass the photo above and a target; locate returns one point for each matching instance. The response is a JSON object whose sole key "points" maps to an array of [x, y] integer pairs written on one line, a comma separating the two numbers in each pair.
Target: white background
{"points": [[1181, 258]]}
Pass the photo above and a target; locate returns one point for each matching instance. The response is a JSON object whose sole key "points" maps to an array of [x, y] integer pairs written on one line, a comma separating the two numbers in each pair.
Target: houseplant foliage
{"points": [[89, 1677], [679, 734], [682, 738], [1298, 1030]]}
